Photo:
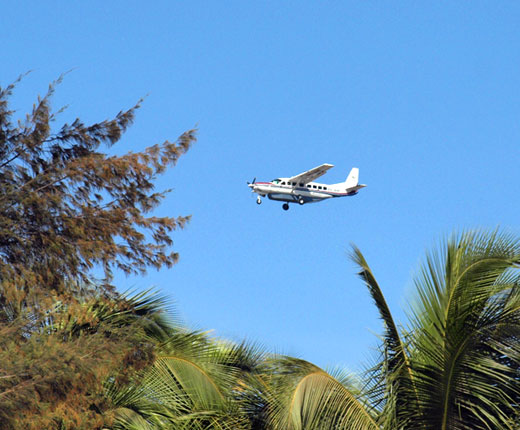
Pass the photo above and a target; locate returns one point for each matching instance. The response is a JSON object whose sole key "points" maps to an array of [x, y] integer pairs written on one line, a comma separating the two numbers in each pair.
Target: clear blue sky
{"points": [[423, 97]]}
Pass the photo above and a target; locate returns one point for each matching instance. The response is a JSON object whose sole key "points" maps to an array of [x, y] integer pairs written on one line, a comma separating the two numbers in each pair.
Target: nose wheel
{"points": [[258, 201], [285, 206], [301, 201]]}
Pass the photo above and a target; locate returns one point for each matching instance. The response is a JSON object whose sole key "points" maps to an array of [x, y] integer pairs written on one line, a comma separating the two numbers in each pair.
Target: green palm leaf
{"points": [[303, 396], [465, 326], [191, 385], [390, 382]]}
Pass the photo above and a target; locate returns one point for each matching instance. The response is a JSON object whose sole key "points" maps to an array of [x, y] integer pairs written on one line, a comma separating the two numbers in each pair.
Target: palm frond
{"points": [[303, 396], [393, 340], [465, 326], [390, 383], [191, 385]]}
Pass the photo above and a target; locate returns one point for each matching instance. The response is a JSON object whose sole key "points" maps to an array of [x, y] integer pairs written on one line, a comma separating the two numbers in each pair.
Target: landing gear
{"points": [[285, 206], [301, 201], [258, 200]]}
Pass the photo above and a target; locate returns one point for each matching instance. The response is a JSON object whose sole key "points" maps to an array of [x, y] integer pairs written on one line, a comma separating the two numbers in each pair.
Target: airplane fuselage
{"points": [[293, 192], [301, 188]]}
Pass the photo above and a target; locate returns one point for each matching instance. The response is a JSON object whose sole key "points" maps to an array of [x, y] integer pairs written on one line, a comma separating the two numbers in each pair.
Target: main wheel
{"points": [[301, 201], [285, 206], [258, 201]]}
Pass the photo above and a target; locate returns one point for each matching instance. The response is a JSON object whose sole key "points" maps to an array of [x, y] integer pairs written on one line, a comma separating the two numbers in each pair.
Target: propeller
{"points": [[252, 186]]}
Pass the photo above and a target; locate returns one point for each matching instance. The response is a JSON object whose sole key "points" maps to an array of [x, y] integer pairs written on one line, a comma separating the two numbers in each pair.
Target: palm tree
{"points": [[195, 383], [454, 367], [299, 395]]}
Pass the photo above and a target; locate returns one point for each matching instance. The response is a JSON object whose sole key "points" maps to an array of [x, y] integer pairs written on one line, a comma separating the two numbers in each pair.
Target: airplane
{"points": [[301, 189]]}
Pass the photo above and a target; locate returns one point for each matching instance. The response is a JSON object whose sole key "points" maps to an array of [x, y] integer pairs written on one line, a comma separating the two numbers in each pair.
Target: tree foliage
{"points": [[75, 354], [195, 383], [66, 207], [455, 367], [54, 370]]}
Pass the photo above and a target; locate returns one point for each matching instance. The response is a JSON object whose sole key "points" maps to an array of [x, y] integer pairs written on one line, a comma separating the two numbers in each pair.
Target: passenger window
{"points": [[301, 185], [294, 183], [319, 188], [314, 186], [308, 186], [324, 188], [283, 183]]}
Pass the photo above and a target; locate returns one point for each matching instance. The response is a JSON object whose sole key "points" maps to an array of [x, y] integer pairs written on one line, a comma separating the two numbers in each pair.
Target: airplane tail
{"points": [[351, 184], [352, 179]]}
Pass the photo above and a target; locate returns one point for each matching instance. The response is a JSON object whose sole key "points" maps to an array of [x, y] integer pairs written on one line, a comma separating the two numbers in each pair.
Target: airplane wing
{"points": [[311, 175]]}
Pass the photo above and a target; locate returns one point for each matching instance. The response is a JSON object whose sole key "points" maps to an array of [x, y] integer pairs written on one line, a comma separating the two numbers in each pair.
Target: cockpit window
{"points": [[275, 181]]}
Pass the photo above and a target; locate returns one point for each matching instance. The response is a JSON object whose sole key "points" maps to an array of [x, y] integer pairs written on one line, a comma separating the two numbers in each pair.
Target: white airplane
{"points": [[301, 188]]}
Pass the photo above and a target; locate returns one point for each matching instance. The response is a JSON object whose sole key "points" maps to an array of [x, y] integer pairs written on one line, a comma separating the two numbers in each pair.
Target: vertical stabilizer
{"points": [[353, 178]]}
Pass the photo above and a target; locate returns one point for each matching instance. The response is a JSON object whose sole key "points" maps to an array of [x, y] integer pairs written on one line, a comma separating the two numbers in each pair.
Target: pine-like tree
{"points": [[65, 209]]}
